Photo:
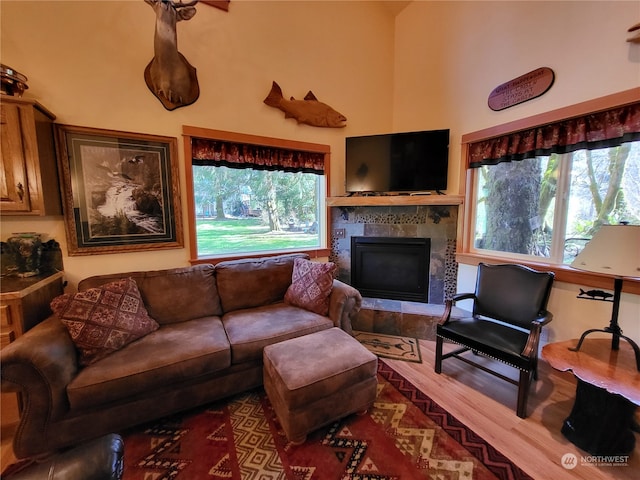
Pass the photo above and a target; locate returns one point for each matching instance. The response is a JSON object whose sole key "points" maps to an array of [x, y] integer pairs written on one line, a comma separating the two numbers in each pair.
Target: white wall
{"points": [[451, 55], [85, 62]]}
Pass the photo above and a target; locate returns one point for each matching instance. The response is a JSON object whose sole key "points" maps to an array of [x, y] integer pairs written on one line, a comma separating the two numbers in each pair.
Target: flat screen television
{"points": [[397, 162]]}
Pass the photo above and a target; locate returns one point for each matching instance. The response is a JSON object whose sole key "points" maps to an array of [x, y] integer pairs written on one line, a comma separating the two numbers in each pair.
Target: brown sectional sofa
{"points": [[214, 323]]}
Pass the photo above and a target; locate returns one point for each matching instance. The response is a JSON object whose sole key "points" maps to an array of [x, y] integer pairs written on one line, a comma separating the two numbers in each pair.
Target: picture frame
{"points": [[120, 190]]}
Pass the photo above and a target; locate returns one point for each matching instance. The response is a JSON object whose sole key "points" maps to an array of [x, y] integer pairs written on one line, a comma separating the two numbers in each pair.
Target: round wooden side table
{"points": [[607, 394]]}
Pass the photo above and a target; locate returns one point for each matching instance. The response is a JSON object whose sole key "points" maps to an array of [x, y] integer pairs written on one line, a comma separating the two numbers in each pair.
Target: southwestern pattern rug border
{"points": [[495, 461]]}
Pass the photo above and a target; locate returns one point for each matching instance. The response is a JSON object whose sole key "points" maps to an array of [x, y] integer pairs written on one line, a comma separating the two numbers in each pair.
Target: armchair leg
{"points": [[523, 393], [438, 364]]}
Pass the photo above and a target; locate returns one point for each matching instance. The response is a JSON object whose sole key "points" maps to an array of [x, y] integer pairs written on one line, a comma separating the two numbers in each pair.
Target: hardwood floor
{"points": [[487, 406]]}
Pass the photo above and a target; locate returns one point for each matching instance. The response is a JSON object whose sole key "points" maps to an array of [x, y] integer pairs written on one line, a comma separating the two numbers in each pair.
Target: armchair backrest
{"points": [[513, 294]]}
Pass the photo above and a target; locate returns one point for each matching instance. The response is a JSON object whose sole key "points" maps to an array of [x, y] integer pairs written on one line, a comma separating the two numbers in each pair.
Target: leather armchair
{"points": [[100, 459], [509, 311]]}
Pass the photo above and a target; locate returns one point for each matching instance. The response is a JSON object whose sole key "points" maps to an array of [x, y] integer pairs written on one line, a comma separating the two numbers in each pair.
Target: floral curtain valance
{"points": [[609, 128], [241, 155]]}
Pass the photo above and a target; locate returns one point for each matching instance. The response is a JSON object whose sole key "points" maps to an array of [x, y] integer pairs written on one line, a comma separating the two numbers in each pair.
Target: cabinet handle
{"points": [[20, 191]]}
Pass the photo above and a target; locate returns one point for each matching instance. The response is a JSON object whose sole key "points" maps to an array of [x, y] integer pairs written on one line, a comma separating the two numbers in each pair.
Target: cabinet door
{"points": [[14, 194], [7, 324], [9, 402]]}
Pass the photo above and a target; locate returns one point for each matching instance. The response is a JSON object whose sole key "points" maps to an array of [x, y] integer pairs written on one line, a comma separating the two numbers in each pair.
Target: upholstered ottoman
{"points": [[317, 379]]}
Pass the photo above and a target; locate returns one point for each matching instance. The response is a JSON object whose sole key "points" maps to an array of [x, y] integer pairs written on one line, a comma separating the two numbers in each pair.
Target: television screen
{"points": [[397, 162]]}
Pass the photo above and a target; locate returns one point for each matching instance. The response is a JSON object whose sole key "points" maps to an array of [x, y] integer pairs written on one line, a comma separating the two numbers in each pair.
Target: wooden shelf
{"points": [[391, 200]]}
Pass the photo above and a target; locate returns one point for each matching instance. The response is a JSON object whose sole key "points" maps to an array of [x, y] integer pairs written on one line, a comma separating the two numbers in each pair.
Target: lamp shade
{"points": [[614, 250]]}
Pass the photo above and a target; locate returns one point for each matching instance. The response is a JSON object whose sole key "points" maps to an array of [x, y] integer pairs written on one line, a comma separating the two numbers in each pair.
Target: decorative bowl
{"points": [[12, 82]]}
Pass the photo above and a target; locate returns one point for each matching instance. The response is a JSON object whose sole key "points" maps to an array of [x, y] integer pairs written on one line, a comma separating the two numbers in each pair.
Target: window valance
{"points": [[242, 155], [608, 128]]}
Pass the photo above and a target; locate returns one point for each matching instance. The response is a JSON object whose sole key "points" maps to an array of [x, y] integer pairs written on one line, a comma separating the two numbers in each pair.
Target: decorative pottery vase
{"points": [[26, 250]]}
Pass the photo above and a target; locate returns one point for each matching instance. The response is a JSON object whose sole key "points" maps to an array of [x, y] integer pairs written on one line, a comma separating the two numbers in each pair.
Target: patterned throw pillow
{"points": [[311, 285], [105, 319]]}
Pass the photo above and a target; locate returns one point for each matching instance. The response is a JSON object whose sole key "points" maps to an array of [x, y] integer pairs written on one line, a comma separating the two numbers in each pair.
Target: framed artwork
{"points": [[120, 190]]}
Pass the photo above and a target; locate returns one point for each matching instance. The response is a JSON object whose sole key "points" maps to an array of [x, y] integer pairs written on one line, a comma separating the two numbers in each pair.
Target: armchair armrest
{"points": [[39, 365], [544, 317], [344, 303], [448, 306], [463, 296], [531, 347]]}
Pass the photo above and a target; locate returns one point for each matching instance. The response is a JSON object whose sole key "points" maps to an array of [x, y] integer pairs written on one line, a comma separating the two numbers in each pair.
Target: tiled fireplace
{"points": [[435, 222]]}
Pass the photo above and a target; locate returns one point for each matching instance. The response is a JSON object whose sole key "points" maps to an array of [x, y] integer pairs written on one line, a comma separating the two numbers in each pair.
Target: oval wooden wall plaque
{"points": [[521, 89]]}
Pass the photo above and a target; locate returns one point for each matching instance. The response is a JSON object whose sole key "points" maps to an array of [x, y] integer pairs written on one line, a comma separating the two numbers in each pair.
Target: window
{"points": [[538, 188], [246, 210], [255, 195], [548, 207]]}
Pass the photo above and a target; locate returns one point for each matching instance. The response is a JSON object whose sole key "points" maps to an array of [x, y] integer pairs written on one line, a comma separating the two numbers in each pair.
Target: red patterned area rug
{"points": [[405, 436]]}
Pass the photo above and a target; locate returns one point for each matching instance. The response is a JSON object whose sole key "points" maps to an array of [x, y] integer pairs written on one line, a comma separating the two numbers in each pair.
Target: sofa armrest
{"points": [[39, 364], [344, 303]]}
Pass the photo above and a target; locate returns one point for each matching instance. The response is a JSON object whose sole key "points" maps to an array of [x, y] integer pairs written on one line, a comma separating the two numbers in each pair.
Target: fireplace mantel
{"points": [[386, 200]]}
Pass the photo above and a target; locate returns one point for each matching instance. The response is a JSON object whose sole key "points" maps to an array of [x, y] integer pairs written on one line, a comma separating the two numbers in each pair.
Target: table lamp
{"points": [[613, 250]]}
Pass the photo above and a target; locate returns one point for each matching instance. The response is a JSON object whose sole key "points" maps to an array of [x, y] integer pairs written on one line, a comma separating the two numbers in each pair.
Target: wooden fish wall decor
{"points": [[309, 111], [221, 4]]}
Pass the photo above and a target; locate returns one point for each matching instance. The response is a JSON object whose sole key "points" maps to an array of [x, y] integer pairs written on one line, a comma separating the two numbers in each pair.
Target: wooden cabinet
{"points": [[29, 175], [24, 302]]}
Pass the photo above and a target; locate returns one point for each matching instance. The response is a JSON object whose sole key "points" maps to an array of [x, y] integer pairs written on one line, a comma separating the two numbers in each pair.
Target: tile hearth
{"points": [[396, 317]]}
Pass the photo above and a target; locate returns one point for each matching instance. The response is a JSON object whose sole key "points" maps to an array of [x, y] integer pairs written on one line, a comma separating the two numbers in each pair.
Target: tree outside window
{"points": [[242, 210], [550, 206]]}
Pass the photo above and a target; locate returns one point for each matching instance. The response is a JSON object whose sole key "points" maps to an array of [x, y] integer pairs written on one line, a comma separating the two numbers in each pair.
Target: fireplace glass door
{"points": [[392, 268]]}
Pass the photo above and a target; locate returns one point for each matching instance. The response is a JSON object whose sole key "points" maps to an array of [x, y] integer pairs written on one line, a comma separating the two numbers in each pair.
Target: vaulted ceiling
{"points": [[395, 6]]}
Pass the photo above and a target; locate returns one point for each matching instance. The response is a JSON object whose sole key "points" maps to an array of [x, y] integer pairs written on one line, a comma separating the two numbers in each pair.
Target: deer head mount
{"points": [[169, 75]]}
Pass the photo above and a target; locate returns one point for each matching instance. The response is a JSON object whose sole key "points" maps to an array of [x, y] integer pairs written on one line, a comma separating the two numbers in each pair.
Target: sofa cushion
{"points": [[104, 319], [171, 355], [254, 282], [311, 284], [251, 330], [168, 294]]}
